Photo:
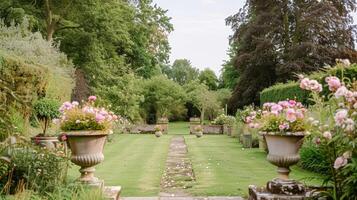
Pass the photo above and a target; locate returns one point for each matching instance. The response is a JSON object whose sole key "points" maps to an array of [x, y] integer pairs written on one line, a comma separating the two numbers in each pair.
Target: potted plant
{"points": [[86, 127], [45, 110], [283, 125], [198, 131], [158, 131], [226, 122]]}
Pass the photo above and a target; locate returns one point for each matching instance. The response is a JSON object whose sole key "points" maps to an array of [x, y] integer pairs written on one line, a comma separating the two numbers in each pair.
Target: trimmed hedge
{"points": [[291, 90]]}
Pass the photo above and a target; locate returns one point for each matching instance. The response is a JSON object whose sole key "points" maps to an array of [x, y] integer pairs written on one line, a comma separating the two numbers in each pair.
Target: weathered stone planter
{"points": [[284, 151], [158, 133], [46, 141], [227, 129], [87, 151], [164, 123], [247, 140], [194, 122], [199, 134]]}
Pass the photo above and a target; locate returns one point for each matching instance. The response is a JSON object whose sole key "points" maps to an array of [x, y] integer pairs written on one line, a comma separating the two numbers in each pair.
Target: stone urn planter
{"points": [[45, 141], [284, 151], [158, 134], [87, 151], [199, 134]]}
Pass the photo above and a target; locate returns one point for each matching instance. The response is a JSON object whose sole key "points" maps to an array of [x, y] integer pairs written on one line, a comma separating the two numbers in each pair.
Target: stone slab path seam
{"points": [[178, 175]]}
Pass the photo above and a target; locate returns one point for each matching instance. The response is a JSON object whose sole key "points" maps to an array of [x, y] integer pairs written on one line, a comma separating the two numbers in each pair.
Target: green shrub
{"points": [[291, 90], [224, 120], [20, 85], [35, 168], [313, 159], [45, 110]]}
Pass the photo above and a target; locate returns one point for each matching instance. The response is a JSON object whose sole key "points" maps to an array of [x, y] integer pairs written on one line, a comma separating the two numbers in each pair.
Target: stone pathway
{"points": [[178, 175]]}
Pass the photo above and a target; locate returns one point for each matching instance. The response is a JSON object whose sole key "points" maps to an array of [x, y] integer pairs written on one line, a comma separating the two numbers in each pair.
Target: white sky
{"points": [[200, 33]]}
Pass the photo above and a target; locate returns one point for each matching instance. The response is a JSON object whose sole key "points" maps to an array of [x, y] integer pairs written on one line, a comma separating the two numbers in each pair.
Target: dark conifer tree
{"points": [[278, 38]]}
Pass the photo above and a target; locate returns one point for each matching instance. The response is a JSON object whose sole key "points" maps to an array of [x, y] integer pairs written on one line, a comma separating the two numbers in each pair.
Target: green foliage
{"points": [[124, 96], [69, 191], [35, 168], [229, 76], [19, 41], [224, 120], [182, 72], [208, 77], [20, 85], [280, 92], [202, 98], [162, 96], [275, 50], [292, 90], [45, 110], [313, 158]]}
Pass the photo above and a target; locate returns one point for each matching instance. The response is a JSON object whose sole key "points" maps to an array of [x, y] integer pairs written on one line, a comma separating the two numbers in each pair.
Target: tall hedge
{"points": [[20, 85], [291, 90]]}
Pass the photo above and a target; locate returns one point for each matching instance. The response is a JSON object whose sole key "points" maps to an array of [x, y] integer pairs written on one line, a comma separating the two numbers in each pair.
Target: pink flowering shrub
{"points": [[75, 117], [284, 116], [334, 132]]}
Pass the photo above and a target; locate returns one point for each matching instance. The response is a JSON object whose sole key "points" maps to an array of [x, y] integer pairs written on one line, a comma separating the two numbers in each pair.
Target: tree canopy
{"points": [[299, 37]]}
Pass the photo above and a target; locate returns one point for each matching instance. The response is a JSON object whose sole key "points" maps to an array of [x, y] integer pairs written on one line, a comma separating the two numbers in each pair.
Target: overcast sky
{"points": [[200, 33]]}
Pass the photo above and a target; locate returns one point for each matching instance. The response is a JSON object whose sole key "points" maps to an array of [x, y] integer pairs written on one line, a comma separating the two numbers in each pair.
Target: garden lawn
{"points": [[179, 128], [223, 168], [135, 162]]}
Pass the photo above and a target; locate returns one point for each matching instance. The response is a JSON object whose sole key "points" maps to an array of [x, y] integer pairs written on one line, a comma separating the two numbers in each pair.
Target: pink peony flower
{"points": [[92, 98], [317, 141], [340, 117], [276, 108], [340, 162], [290, 115], [99, 118], [292, 103], [315, 86], [333, 82], [304, 83], [341, 91], [75, 103], [350, 125], [327, 135]]}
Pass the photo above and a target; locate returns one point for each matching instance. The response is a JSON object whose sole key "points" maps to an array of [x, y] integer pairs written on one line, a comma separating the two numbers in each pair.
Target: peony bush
{"points": [[333, 131]]}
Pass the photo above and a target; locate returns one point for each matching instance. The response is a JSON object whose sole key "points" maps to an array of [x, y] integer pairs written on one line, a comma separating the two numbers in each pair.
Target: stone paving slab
{"points": [[184, 198]]}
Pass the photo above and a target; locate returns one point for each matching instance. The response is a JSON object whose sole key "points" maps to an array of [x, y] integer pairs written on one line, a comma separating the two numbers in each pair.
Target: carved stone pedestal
{"points": [[285, 187], [256, 193]]}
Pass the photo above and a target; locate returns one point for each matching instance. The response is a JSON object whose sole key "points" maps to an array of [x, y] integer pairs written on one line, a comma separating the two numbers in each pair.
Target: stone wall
{"points": [[212, 129], [147, 129]]}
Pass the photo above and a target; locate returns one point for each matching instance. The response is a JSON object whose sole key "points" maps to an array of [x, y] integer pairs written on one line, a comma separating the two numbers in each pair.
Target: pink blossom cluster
{"points": [[291, 109], [311, 85], [343, 120], [342, 160], [101, 115]]}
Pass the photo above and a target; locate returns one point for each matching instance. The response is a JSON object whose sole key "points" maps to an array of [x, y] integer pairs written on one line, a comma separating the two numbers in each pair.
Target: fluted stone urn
{"points": [[284, 151], [87, 151]]}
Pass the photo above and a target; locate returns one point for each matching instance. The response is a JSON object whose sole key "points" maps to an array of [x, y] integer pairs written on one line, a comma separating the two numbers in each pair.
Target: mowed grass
{"points": [[223, 168], [135, 162], [179, 128]]}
